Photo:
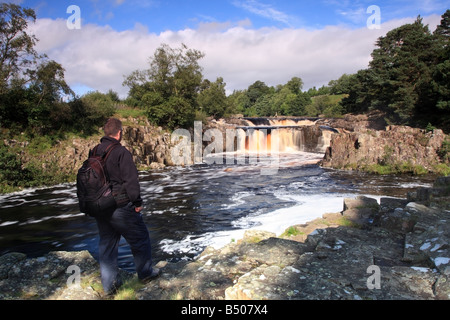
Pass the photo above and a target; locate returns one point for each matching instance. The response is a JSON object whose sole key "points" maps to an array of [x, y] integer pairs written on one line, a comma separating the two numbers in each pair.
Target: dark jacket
{"points": [[122, 173]]}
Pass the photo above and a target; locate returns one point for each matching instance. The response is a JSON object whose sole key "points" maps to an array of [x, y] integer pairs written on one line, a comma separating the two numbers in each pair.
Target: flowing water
{"points": [[189, 208], [270, 184]]}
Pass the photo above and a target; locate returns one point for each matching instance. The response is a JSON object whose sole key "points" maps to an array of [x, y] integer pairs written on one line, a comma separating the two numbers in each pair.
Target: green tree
{"points": [[31, 86], [91, 110], [212, 99], [48, 87], [403, 65], [168, 89], [256, 91], [17, 53], [341, 85], [238, 101], [295, 85], [439, 93], [407, 78]]}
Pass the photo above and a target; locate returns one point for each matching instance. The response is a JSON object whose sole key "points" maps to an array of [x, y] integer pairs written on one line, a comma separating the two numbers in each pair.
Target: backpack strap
{"points": [[108, 150], [111, 147], [106, 154]]}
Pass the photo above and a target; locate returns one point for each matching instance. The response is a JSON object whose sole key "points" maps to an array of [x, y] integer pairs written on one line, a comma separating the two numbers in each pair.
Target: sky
{"points": [[99, 42]]}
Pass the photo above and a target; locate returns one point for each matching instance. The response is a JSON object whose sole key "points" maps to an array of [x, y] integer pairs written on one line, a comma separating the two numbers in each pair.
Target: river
{"points": [[189, 208]]}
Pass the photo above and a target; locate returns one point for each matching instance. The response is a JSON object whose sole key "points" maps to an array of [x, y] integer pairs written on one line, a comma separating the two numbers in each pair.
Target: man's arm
{"points": [[130, 179]]}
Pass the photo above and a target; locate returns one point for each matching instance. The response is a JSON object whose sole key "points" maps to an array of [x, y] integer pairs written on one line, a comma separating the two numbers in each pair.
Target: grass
{"points": [[127, 112], [396, 168], [291, 232], [129, 289]]}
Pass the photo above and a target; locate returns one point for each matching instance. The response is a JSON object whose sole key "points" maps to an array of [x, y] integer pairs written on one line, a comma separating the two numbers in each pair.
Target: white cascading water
{"points": [[282, 136]]}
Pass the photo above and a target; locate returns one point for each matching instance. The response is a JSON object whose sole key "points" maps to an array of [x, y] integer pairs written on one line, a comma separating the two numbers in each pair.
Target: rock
{"points": [[390, 147], [8, 261], [438, 195], [403, 254], [362, 211], [361, 202], [254, 236], [49, 276]]}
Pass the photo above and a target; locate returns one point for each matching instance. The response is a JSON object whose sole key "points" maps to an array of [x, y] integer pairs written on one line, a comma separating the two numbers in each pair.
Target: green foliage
{"points": [[33, 89], [16, 175], [93, 108], [444, 151], [325, 105], [408, 78], [260, 100], [168, 90], [129, 112], [11, 172], [341, 85], [17, 54], [404, 167], [212, 99], [290, 232]]}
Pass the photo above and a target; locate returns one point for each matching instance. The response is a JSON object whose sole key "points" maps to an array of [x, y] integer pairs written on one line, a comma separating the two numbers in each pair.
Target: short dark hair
{"points": [[112, 127]]}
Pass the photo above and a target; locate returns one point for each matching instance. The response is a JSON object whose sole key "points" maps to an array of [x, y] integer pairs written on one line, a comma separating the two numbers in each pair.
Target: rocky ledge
{"points": [[393, 249]]}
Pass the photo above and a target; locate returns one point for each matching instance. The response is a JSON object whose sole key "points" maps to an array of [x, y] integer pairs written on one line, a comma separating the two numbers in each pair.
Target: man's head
{"points": [[113, 128]]}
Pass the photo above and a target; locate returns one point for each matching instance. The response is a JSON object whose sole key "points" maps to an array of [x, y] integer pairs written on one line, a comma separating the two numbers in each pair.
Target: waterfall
{"points": [[266, 136]]}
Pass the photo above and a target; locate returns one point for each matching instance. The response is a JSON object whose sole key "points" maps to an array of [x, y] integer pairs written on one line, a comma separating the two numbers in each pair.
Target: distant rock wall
{"points": [[149, 145], [359, 143], [394, 145]]}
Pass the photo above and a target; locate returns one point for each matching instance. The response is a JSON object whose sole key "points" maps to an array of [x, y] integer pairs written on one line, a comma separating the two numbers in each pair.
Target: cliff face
{"points": [[359, 144], [394, 146], [149, 145]]}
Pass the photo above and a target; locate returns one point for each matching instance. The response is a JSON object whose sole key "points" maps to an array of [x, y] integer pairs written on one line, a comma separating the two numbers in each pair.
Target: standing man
{"points": [[126, 220]]}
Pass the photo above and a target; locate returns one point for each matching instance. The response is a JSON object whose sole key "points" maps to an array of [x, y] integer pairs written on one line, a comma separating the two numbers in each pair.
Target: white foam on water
{"points": [[8, 223], [307, 208], [237, 200]]}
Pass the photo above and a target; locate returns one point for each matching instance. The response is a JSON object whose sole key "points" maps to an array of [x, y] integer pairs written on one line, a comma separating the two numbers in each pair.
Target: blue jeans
{"points": [[127, 223]]}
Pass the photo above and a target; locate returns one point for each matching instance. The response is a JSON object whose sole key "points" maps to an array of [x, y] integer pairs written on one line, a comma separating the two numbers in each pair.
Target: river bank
{"points": [[396, 249], [357, 142]]}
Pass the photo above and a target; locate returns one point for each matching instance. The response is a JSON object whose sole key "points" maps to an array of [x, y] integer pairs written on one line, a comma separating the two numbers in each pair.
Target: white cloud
{"points": [[98, 57]]}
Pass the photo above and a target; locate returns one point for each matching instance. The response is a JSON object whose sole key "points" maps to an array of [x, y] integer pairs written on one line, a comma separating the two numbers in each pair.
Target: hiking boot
{"points": [[155, 273], [111, 293]]}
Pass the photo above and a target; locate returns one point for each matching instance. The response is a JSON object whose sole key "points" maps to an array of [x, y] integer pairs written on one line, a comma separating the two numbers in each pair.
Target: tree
{"points": [[174, 77], [257, 90], [408, 77], [440, 84], [31, 86], [212, 100], [403, 64], [341, 85], [17, 53], [295, 85]]}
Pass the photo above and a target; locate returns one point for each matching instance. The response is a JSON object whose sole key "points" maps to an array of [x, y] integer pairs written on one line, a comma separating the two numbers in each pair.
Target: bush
{"points": [[12, 175], [91, 111]]}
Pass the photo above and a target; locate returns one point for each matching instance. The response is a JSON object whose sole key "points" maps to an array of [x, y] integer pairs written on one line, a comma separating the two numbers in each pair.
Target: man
{"points": [[126, 220]]}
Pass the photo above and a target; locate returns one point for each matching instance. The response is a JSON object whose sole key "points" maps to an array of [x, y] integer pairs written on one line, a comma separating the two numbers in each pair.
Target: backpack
{"points": [[94, 189]]}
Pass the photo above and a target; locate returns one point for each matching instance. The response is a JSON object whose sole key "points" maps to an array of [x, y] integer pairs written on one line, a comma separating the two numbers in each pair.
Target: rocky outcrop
{"points": [[49, 276], [395, 146], [149, 145], [394, 249]]}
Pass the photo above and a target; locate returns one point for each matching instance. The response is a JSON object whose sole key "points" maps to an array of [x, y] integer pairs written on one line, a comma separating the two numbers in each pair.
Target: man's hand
{"points": [[137, 209]]}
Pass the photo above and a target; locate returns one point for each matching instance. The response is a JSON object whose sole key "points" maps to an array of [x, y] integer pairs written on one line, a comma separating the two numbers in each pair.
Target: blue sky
{"points": [[243, 40], [163, 15]]}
